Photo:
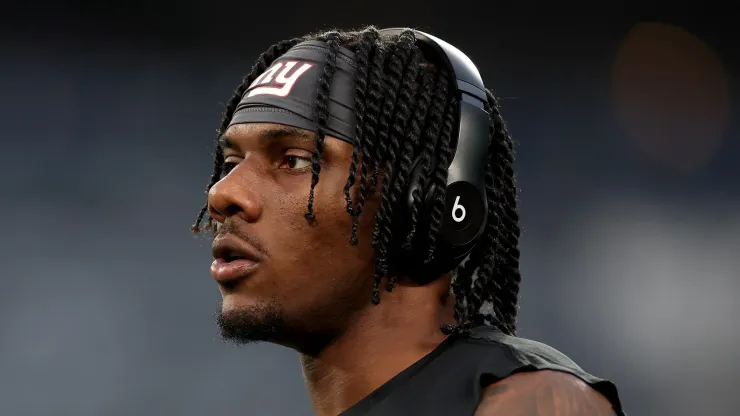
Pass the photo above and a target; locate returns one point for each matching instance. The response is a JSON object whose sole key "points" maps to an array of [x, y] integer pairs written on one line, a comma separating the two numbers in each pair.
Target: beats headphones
{"points": [[466, 206]]}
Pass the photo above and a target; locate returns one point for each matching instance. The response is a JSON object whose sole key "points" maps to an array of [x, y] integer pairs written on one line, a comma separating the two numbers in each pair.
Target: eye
{"points": [[294, 162], [228, 167]]}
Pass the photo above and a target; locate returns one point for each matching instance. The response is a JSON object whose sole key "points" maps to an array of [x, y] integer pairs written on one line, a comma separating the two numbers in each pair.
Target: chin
{"points": [[242, 324], [246, 322]]}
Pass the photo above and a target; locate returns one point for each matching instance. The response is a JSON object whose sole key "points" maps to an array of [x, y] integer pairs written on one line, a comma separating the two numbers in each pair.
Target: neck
{"points": [[385, 340]]}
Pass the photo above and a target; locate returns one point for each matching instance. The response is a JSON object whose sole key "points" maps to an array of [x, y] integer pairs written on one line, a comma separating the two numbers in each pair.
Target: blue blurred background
{"points": [[628, 151]]}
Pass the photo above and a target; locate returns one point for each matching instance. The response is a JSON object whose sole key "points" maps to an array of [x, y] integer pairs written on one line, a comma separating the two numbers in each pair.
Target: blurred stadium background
{"points": [[629, 152]]}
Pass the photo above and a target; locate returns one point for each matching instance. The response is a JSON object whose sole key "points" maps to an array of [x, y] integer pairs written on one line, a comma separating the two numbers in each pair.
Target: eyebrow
{"points": [[271, 134]]}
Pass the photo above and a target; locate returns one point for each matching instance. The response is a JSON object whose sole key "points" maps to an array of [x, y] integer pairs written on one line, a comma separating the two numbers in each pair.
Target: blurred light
{"points": [[671, 95], [657, 288]]}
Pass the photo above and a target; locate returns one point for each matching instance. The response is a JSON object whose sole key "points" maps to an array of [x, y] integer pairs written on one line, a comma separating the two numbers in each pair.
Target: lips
{"points": [[234, 259]]}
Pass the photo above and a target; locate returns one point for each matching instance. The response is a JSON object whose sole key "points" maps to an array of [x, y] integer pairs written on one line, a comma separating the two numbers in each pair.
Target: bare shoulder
{"points": [[542, 393]]}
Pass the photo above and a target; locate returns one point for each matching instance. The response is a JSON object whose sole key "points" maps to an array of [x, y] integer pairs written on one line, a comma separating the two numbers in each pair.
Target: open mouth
{"points": [[234, 260]]}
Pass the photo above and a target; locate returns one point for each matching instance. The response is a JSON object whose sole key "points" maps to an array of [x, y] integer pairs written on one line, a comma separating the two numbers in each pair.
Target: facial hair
{"points": [[250, 324]]}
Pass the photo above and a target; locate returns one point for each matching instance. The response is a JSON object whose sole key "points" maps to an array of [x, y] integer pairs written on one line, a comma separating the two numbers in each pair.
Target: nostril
{"points": [[232, 209], [214, 213]]}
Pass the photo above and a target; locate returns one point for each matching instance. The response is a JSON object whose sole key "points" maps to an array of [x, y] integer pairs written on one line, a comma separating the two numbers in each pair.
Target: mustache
{"points": [[229, 227]]}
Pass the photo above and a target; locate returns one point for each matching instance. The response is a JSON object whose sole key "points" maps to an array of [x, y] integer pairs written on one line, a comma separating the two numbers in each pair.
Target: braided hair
{"points": [[405, 108]]}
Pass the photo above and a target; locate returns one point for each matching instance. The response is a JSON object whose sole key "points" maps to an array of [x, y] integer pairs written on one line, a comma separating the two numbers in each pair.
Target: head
{"points": [[325, 218]]}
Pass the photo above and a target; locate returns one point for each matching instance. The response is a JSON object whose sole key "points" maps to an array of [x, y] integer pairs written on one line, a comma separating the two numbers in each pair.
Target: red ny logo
{"points": [[282, 83]]}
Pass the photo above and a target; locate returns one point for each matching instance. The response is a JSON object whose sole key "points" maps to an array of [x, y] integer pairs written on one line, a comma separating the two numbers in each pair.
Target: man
{"points": [[340, 269]]}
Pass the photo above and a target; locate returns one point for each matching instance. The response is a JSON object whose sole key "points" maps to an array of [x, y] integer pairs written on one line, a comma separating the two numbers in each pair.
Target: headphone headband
{"points": [[468, 78]]}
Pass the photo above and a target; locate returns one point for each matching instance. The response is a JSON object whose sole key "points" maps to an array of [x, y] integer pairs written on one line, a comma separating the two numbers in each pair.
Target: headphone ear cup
{"points": [[422, 187], [415, 184]]}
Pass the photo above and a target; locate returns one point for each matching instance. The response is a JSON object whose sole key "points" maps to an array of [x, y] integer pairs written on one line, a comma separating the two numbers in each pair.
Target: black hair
{"points": [[405, 108]]}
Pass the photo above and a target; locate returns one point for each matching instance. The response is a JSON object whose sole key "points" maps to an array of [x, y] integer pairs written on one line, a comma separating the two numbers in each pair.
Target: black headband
{"points": [[286, 92]]}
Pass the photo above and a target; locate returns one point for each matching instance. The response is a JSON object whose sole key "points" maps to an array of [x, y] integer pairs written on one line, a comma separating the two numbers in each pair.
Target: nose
{"points": [[234, 195]]}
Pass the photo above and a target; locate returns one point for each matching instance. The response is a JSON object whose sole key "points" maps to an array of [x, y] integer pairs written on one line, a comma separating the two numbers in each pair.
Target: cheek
{"points": [[322, 251], [335, 223], [303, 250]]}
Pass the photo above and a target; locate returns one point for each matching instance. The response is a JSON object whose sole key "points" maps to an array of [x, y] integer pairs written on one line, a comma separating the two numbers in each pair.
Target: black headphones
{"points": [[466, 206]]}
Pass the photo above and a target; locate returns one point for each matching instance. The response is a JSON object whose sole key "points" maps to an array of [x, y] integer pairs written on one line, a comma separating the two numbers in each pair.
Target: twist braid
{"points": [[367, 40], [508, 253], [429, 140], [322, 116], [444, 152], [372, 113], [395, 104], [405, 125]]}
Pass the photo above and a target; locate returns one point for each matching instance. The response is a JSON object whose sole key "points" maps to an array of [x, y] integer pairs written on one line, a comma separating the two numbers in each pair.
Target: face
{"points": [[281, 278]]}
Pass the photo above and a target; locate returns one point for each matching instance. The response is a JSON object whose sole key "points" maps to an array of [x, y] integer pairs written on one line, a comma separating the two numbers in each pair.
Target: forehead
{"points": [[254, 136], [239, 135]]}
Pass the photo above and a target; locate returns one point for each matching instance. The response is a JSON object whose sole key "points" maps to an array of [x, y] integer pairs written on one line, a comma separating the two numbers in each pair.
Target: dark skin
{"points": [[315, 282], [542, 393]]}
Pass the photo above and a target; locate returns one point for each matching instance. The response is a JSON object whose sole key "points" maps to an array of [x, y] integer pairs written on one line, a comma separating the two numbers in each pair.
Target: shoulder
{"points": [[525, 351], [551, 393]]}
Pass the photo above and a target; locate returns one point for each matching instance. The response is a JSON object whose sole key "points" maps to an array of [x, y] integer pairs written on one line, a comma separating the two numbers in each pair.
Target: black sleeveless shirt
{"points": [[449, 380]]}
